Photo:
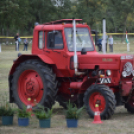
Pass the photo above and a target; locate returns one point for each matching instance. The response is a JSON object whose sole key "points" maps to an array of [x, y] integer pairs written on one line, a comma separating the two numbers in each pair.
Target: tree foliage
{"points": [[20, 15]]}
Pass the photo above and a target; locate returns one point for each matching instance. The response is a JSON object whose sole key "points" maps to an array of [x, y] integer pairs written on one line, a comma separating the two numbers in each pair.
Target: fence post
{"points": [[104, 37], [0, 47]]}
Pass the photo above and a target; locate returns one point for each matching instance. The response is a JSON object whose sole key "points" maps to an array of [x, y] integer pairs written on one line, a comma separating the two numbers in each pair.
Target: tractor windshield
{"points": [[83, 39]]}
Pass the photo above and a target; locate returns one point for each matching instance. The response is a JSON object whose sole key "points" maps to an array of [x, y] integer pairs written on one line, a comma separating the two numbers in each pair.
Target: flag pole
{"points": [[127, 41]]}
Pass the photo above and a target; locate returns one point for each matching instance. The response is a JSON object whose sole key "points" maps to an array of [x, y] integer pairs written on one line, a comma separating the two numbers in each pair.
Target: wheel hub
{"points": [[32, 87], [97, 98]]}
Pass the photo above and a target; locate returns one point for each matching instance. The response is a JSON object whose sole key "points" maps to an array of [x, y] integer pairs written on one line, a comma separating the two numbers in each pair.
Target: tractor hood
{"points": [[104, 61]]}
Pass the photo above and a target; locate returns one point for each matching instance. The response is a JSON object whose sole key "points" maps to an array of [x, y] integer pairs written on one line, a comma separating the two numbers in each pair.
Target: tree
{"points": [[64, 9], [90, 11], [16, 14], [118, 12]]}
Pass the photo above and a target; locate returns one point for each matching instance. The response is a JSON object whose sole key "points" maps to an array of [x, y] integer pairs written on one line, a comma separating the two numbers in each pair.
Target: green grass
{"points": [[120, 123]]}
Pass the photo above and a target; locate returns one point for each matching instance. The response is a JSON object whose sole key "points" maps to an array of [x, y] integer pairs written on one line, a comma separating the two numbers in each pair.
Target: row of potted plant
{"points": [[7, 114], [72, 114]]}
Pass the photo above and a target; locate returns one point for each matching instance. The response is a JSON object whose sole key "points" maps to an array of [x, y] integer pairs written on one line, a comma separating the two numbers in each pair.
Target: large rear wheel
{"points": [[102, 95], [34, 79]]}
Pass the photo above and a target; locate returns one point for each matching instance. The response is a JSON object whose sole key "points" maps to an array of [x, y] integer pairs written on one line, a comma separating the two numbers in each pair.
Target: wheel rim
{"points": [[97, 98], [30, 85]]}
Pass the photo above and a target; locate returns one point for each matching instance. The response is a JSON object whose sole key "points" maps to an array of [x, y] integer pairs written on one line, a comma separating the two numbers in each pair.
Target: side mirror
{"points": [[83, 51]]}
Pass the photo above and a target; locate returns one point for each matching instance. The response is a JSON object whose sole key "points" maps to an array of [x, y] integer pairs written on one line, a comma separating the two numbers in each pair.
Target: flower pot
{"points": [[72, 123], [23, 121], [7, 120], [44, 123]]}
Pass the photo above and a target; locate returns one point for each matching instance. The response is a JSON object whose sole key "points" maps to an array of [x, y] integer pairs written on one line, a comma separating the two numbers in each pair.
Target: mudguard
{"points": [[22, 58]]}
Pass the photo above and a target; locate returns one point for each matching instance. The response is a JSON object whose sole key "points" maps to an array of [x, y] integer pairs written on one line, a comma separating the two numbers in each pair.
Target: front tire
{"points": [[34, 79], [102, 95], [130, 104]]}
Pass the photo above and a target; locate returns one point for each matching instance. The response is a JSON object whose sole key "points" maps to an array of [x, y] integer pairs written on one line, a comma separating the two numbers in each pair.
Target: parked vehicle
{"points": [[64, 65]]}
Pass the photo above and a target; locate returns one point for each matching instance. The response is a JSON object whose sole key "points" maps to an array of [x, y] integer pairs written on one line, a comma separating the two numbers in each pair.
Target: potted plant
{"points": [[7, 114], [72, 114], [44, 116], [1, 111], [23, 117]]}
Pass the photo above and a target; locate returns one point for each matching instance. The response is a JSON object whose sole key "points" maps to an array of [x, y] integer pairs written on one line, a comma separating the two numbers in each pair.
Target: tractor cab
{"points": [[58, 35]]}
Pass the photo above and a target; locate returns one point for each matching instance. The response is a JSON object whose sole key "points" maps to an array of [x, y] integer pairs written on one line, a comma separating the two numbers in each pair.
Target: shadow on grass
{"points": [[59, 111], [122, 116]]}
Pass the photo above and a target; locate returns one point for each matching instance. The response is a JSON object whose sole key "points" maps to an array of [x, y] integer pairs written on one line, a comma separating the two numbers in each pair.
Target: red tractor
{"points": [[64, 65]]}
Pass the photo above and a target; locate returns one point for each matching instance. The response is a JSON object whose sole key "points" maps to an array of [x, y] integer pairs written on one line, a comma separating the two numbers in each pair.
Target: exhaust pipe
{"points": [[104, 37], [75, 54]]}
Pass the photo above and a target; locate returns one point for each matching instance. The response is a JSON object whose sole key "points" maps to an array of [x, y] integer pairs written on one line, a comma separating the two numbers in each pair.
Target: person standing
{"points": [[16, 42], [110, 41], [25, 44], [19, 41], [99, 44]]}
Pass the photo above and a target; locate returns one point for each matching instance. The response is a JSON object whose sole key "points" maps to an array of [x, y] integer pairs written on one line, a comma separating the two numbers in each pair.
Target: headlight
{"points": [[128, 68], [133, 72], [124, 73], [108, 72]]}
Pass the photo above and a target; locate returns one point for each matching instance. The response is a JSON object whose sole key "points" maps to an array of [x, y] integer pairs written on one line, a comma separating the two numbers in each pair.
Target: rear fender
{"points": [[23, 58]]}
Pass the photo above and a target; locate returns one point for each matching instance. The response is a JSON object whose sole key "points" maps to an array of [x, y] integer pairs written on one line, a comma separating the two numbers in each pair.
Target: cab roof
{"points": [[59, 24], [67, 21]]}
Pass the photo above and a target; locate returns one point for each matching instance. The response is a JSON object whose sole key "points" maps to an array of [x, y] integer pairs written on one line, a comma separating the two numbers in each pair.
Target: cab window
{"points": [[41, 40], [54, 40], [83, 39]]}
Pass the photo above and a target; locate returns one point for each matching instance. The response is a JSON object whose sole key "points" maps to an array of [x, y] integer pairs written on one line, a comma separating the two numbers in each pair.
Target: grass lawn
{"points": [[120, 123]]}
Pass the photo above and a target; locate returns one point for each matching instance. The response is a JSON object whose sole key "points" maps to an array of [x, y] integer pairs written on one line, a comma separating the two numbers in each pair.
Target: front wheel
{"points": [[102, 95], [34, 79], [129, 105]]}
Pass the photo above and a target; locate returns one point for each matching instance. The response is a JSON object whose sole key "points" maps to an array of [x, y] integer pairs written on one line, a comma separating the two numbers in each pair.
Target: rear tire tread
{"points": [[48, 75]]}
